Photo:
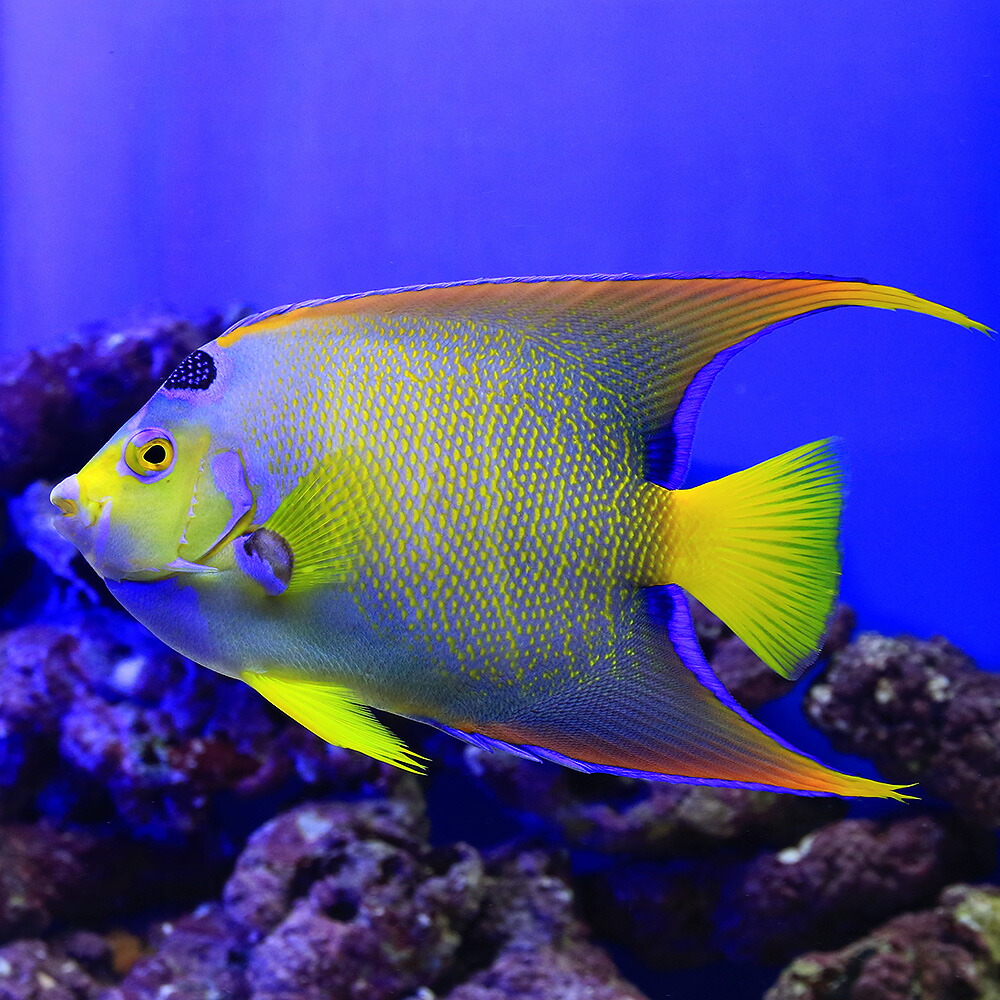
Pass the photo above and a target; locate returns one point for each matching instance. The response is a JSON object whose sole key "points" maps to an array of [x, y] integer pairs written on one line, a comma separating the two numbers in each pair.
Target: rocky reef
{"points": [[948, 952], [166, 833]]}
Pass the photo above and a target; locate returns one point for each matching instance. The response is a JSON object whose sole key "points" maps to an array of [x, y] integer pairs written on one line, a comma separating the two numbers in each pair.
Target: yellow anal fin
{"points": [[759, 548], [334, 714]]}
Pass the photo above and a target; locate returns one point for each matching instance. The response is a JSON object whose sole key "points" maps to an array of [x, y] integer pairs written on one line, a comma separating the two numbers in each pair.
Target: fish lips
{"points": [[87, 524], [84, 522]]}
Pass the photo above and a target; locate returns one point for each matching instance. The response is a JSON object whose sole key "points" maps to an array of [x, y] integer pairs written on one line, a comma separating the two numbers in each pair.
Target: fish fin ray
{"points": [[322, 523], [655, 341], [661, 714], [334, 714], [759, 549]]}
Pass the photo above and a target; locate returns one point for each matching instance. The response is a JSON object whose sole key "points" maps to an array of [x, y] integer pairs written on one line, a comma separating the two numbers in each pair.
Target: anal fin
{"points": [[662, 715]]}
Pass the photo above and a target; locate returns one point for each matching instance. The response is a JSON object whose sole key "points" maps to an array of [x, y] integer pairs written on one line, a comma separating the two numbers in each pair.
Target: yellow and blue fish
{"points": [[436, 501]]}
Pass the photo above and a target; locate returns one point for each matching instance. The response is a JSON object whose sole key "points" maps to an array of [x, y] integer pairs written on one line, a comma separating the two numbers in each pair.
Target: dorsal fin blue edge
{"points": [[534, 280]]}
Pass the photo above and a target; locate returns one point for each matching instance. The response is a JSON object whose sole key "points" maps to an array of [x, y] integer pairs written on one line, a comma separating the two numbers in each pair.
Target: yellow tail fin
{"points": [[759, 548]]}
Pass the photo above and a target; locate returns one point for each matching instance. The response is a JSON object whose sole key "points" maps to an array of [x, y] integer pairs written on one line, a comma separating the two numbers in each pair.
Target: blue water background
{"points": [[194, 155], [191, 155]]}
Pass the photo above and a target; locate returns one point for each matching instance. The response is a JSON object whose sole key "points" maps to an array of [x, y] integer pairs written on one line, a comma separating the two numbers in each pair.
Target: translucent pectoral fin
{"points": [[334, 714], [314, 538]]}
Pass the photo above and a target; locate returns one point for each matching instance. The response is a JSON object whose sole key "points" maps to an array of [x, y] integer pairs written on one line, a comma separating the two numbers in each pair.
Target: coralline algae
{"points": [[165, 833], [923, 712], [950, 952]]}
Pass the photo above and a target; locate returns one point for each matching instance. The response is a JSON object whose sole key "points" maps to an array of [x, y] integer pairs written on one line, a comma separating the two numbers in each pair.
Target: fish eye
{"points": [[150, 453]]}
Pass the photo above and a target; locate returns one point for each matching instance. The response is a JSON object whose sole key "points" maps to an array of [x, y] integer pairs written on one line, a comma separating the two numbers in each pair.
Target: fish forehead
{"points": [[503, 479]]}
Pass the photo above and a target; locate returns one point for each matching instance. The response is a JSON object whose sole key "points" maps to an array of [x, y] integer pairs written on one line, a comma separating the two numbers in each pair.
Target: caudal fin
{"points": [[759, 548]]}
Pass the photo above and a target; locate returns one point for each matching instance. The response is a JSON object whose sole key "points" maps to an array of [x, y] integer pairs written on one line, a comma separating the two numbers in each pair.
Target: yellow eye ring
{"points": [[150, 453]]}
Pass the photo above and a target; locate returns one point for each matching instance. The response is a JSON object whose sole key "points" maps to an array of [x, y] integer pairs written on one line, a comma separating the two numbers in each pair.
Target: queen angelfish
{"points": [[437, 502]]}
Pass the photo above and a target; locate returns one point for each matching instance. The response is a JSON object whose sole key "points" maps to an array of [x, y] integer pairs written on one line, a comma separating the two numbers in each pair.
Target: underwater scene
{"points": [[498, 501]]}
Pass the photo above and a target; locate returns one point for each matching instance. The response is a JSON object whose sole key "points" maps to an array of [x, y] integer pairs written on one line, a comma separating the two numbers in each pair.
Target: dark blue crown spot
{"points": [[196, 371]]}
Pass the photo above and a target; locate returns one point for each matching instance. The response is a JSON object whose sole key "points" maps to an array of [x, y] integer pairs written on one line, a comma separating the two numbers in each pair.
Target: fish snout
{"points": [[75, 508]]}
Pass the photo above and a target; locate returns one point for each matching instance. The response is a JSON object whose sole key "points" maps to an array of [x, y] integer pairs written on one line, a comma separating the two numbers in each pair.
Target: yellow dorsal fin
{"points": [[334, 714], [759, 548]]}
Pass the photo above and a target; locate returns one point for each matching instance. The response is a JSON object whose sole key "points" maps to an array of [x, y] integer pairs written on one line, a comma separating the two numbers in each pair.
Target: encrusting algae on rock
{"points": [[951, 952]]}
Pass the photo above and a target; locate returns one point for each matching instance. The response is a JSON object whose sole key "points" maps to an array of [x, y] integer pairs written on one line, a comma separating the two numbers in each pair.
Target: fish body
{"points": [[437, 502]]}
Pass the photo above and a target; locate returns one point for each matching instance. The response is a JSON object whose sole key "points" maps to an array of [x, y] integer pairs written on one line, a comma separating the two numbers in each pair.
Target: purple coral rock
{"points": [[198, 957], [623, 815], [91, 386], [31, 970], [836, 883], [539, 947], [47, 874], [96, 710], [842, 880], [283, 859], [579, 972], [39, 678], [347, 900], [50, 876], [947, 953], [923, 712], [747, 677]]}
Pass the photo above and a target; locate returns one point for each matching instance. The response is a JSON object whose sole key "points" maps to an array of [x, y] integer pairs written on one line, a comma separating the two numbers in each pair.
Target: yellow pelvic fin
{"points": [[759, 548], [334, 714], [321, 521]]}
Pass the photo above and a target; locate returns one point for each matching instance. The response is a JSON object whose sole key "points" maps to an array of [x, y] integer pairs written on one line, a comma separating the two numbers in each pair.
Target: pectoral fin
{"points": [[314, 537], [334, 714]]}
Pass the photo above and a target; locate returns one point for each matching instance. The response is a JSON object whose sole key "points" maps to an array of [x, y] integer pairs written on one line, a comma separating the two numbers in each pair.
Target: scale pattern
{"points": [[501, 484]]}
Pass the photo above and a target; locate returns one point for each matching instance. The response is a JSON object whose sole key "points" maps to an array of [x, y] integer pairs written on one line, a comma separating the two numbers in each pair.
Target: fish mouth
{"points": [[87, 523], [77, 513], [81, 520]]}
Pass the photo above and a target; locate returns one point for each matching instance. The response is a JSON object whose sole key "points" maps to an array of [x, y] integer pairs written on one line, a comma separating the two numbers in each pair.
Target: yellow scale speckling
{"points": [[502, 481]]}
